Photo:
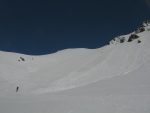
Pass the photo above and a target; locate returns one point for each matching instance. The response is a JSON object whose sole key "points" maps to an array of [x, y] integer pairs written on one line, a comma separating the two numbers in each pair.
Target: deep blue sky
{"points": [[46, 26]]}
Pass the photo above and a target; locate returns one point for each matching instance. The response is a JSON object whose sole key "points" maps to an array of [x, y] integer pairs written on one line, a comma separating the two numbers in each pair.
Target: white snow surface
{"points": [[111, 79]]}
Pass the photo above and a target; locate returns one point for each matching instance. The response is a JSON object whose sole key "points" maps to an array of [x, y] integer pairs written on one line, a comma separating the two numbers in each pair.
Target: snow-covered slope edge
{"points": [[113, 61], [73, 68], [112, 79]]}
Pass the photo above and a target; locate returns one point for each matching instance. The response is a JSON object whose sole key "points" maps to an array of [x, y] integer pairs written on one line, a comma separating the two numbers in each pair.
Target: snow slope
{"points": [[111, 79]]}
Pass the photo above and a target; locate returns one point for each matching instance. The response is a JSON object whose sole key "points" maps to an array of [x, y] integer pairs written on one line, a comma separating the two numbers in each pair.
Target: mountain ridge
{"points": [[111, 79]]}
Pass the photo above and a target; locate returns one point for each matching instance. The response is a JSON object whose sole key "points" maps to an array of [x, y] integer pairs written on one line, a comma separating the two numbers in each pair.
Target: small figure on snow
{"points": [[17, 89]]}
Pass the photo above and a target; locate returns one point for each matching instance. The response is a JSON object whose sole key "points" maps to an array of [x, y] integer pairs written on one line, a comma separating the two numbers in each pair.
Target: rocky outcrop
{"points": [[133, 37], [118, 40]]}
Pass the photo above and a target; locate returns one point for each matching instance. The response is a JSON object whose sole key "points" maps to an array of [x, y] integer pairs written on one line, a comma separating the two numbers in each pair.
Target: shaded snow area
{"points": [[111, 79]]}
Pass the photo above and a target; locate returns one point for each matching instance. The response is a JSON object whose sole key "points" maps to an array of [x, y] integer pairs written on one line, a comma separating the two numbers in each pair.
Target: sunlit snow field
{"points": [[111, 79]]}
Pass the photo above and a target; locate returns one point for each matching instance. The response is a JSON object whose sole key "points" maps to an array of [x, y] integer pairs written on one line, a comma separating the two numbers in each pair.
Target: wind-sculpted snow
{"points": [[115, 62], [111, 79]]}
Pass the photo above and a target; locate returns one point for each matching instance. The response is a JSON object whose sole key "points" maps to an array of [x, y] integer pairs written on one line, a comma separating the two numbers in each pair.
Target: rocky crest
{"points": [[133, 36]]}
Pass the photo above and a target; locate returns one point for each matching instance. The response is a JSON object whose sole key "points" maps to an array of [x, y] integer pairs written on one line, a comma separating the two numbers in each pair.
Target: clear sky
{"points": [[46, 26]]}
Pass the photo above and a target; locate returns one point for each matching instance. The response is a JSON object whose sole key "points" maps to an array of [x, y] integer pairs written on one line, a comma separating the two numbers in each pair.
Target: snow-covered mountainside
{"points": [[111, 79]]}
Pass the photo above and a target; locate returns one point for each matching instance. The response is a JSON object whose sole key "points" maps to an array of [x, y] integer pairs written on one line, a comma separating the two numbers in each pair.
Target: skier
{"points": [[17, 88]]}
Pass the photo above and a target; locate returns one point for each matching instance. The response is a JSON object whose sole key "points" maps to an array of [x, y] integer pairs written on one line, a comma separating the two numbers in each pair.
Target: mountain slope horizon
{"points": [[115, 76]]}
